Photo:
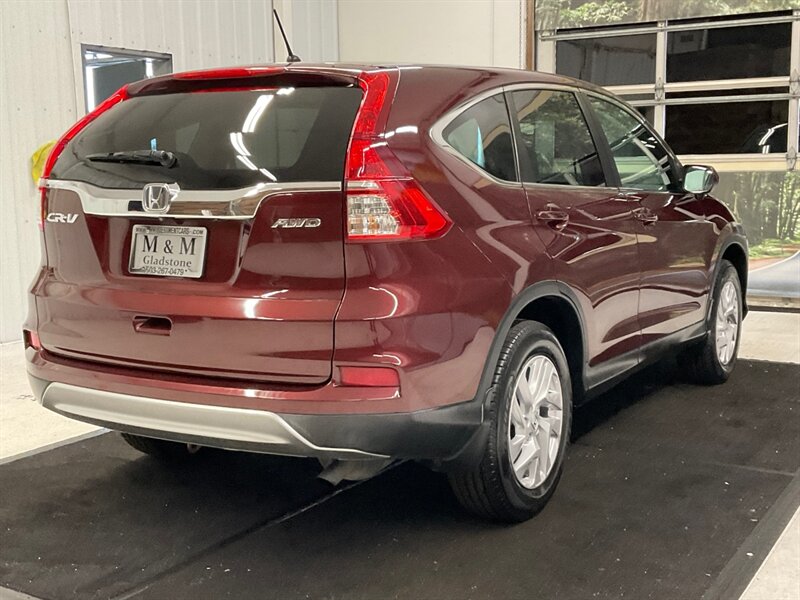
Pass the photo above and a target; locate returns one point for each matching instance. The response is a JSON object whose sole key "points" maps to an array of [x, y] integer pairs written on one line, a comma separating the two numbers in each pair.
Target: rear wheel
{"points": [[529, 416], [161, 449], [712, 362]]}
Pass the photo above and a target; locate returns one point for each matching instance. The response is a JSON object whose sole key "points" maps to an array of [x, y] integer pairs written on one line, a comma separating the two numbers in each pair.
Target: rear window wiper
{"points": [[142, 157]]}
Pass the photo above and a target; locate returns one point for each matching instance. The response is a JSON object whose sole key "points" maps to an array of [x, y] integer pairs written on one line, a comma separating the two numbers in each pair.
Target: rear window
{"points": [[221, 139], [482, 135]]}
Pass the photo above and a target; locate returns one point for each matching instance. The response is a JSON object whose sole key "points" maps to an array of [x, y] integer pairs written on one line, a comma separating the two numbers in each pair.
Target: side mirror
{"points": [[699, 179]]}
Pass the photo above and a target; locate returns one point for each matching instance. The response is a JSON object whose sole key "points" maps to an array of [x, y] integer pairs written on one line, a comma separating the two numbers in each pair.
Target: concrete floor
{"points": [[776, 337], [25, 427]]}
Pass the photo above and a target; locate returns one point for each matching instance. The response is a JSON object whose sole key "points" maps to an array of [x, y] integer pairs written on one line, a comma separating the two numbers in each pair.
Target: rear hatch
{"points": [[196, 227]]}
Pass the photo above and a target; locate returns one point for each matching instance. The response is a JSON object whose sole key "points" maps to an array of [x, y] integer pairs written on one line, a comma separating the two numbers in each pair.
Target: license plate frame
{"points": [[166, 252]]}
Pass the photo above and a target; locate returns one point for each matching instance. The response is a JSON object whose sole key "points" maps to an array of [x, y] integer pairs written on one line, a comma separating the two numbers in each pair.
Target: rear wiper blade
{"points": [[142, 157]]}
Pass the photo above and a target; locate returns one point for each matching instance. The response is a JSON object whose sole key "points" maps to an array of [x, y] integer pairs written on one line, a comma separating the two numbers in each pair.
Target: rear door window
{"points": [[222, 139], [482, 135], [556, 140], [642, 160]]}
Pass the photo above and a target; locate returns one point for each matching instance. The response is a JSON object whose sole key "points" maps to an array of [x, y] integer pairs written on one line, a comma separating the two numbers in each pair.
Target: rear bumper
{"points": [[435, 434]]}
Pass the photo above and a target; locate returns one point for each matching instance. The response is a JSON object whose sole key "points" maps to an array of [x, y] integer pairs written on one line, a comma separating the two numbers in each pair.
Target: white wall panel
{"points": [[198, 33], [41, 88], [37, 103], [311, 27], [314, 30], [464, 32]]}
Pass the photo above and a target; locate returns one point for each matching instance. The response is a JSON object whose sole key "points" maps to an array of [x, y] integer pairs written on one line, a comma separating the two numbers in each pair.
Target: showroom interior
{"points": [[670, 490]]}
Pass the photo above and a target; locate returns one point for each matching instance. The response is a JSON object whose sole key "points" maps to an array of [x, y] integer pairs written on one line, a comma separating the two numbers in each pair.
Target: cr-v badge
{"points": [[294, 223], [56, 217]]}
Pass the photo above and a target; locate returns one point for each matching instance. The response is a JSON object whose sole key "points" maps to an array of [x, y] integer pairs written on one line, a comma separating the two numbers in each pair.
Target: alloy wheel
{"points": [[535, 424], [727, 325]]}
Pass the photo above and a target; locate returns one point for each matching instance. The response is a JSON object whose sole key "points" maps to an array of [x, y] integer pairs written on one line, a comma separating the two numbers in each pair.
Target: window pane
{"points": [[641, 160], [482, 134], [729, 52], [728, 128], [620, 60], [222, 140], [648, 114], [105, 70], [556, 139]]}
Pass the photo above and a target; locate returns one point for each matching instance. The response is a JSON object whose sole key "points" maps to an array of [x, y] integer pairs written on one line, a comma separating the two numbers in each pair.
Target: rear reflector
{"points": [[31, 339], [368, 377], [384, 203]]}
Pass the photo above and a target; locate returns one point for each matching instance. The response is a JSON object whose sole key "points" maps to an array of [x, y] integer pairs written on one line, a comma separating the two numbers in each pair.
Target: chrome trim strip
{"points": [[208, 425], [238, 204]]}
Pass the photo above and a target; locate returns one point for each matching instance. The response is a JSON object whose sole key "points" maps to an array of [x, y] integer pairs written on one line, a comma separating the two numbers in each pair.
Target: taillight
{"points": [[42, 206], [58, 148], [383, 201]]}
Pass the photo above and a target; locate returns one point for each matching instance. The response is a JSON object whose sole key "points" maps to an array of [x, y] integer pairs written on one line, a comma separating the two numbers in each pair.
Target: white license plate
{"points": [[168, 251]]}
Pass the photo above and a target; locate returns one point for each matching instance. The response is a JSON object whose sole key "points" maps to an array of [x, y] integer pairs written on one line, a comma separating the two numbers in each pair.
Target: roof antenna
{"points": [[292, 58]]}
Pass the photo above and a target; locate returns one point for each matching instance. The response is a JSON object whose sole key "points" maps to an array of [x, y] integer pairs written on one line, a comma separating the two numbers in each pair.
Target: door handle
{"points": [[628, 196], [553, 217], [152, 325], [645, 215]]}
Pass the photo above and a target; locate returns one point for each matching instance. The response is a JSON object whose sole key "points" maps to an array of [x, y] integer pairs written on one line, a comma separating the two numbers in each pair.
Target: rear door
{"points": [[587, 227], [676, 241], [223, 259]]}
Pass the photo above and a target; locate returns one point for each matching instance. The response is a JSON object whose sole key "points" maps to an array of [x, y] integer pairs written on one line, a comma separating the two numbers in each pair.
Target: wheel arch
{"points": [[734, 250], [738, 258], [554, 304]]}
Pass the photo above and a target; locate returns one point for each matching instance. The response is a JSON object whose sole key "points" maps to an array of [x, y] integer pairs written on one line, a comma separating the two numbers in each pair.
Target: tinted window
{"points": [[221, 139], [642, 161], [728, 128], [482, 134], [618, 60], [729, 52], [556, 139]]}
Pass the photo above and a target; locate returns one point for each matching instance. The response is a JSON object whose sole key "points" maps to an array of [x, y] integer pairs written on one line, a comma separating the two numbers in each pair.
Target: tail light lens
{"points": [[115, 98], [392, 209], [383, 201]]}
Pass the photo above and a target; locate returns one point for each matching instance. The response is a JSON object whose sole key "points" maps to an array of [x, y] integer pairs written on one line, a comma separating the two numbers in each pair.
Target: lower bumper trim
{"points": [[218, 426]]}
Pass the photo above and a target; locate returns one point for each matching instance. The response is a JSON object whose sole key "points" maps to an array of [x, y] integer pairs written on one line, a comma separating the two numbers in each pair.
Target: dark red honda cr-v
{"points": [[362, 264]]}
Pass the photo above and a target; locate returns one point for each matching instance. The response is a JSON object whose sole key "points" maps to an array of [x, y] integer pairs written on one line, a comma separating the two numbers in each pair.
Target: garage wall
{"points": [[312, 29], [41, 89], [37, 103], [468, 32]]}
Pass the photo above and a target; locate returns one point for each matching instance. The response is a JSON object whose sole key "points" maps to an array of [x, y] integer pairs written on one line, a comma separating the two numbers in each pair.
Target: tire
{"points": [[492, 488], [706, 363], [161, 449]]}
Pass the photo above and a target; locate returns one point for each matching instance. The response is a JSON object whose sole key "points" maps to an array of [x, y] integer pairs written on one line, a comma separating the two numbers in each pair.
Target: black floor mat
{"points": [[663, 486]]}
